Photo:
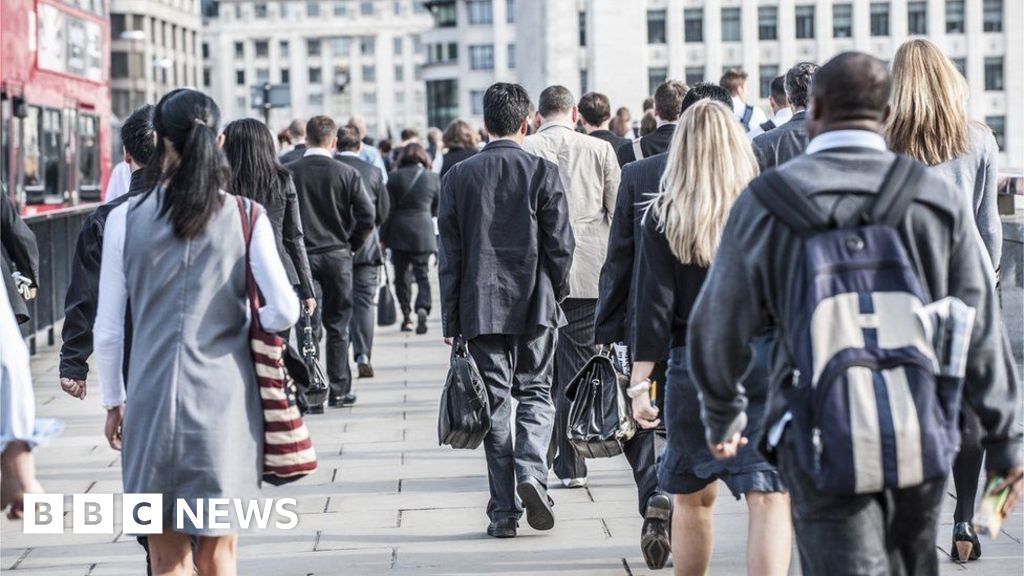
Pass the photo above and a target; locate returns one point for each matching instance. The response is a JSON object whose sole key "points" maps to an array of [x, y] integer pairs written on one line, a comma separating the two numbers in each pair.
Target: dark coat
{"points": [[410, 227], [293, 154], [336, 213], [611, 138], [283, 213], [453, 156], [373, 185], [780, 145], [20, 253], [614, 318], [506, 244], [654, 143]]}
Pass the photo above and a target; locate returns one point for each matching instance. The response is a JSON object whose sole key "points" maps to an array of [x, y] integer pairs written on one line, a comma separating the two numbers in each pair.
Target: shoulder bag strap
{"points": [[898, 191], [638, 151], [248, 215], [797, 211]]}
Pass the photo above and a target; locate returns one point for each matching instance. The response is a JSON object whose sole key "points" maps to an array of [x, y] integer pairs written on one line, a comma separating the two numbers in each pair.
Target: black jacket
{"points": [[294, 154], [614, 319], [453, 156], [506, 244], [654, 143], [611, 138], [373, 185], [336, 214], [780, 145], [20, 253], [83, 290], [410, 227], [283, 213]]}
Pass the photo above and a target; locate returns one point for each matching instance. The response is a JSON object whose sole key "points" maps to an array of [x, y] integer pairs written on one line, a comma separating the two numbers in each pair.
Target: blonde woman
{"points": [[709, 164], [929, 122]]}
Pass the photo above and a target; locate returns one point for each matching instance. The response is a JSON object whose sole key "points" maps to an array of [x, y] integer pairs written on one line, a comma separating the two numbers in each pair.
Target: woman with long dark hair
{"points": [[191, 425], [409, 231], [256, 173]]}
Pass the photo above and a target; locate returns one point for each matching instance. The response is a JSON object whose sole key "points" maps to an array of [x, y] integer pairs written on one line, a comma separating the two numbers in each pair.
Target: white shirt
{"points": [[757, 116], [780, 118], [120, 181], [318, 152], [349, 153], [846, 139], [280, 309]]}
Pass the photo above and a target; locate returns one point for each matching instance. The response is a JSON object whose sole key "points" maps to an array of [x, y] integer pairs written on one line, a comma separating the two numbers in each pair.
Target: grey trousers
{"points": [[516, 366], [575, 348], [364, 309], [889, 533]]}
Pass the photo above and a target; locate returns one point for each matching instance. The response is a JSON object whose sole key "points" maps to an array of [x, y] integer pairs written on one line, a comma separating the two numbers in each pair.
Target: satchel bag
{"points": [[288, 453], [465, 414], [600, 414], [387, 312]]}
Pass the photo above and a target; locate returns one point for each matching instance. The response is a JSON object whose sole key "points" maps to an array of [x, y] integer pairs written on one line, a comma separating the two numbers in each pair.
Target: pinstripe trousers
{"points": [[575, 347]]}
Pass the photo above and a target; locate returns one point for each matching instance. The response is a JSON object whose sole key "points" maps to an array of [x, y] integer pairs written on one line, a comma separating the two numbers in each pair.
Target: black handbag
{"points": [[313, 388], [600, 413], [387, 312], [465, 414]]}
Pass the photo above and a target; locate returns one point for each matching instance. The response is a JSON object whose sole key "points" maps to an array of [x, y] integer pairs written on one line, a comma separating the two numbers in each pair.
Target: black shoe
{"points": [[537, 503], [406, 324], [504, 528], [654, 536], [365, 370], [348, 399], [421, 321], [336, 401], [315, 409], [966, 545]]}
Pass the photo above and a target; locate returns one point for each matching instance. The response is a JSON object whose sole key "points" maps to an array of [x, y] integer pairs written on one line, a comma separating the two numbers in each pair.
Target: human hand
{"points": [[18, 478], [73, 387], [1012, 479], [31, 294], [309, 304], [645, 413], [112, 428], [449, 341], [729, 448]]}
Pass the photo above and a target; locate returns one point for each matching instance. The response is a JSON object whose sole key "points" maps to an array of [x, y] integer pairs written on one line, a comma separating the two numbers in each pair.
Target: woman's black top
{"points": [[410, 226], [283, 211], [665, 294], [453, 156]]}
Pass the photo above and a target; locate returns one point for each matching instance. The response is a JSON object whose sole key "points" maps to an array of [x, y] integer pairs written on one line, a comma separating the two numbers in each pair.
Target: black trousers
{"points": [[364, 308], [332, 279], [575, 347], [409, 265]]}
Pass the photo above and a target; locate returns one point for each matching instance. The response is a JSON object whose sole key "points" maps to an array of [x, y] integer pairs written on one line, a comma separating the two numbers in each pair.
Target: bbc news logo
{"points": [[142, 514]]}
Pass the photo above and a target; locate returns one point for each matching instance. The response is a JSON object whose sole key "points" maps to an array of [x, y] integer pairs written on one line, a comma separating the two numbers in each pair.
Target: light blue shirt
{"points": [[371, 155]]}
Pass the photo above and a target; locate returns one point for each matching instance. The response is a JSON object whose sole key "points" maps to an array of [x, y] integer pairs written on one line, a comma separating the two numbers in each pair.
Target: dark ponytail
{"points": [[187, 121]]}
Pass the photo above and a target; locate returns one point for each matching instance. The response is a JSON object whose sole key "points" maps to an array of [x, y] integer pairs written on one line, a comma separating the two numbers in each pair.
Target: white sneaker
{"points": [[574, 482]]}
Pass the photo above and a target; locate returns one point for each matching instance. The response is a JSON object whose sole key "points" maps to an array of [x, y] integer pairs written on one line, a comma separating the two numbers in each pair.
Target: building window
{"points": [[207, 77], [367, 45], [480, 11], [313, 47], [444, 17], [241, 104], [476, 102], [399, 73], [961, 65], [917, 18], [259, 10], [398, 45], [481, 57], [238, 11], [584, 81], [511, 56], [805, 22], [992, 16], [262, 48], [954, 16], [398, 7], [313, 9], [340, 46], [240, 77], [767, 74], [693, 25], [656, 77], [340, 8], [655, 26], [315, 75], [118, 65], [282, 48], [694, 74], [369, 73], [316, 100], [262, 75], [510, 11], [998, 126], [583, 28], [366, 7], [879, 18], [117, 25], [767, 23], [442, 102], [239, 50], [206, 50], [286, 76], [731, 31], [994, 74]]}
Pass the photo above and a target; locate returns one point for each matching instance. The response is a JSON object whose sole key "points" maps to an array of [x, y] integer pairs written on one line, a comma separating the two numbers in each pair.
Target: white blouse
{"points": [[279, 312]]}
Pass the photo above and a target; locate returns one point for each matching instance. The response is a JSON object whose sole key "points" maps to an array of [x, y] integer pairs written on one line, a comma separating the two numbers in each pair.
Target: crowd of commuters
{"points": [[560, 231]]}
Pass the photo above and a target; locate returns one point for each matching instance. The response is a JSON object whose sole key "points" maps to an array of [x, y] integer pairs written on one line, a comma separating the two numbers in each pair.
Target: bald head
{"points": [[850, 91]]}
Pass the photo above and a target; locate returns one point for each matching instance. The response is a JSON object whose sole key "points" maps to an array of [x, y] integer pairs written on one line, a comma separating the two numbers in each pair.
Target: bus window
{"points": [[32, 161], [88, 159], [53, 155]]}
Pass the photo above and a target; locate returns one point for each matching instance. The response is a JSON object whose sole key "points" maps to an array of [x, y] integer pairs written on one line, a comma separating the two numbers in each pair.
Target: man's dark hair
{"points": [[555, 100], [505, 107], [706, 91], [798, 83], [648, 104], [668, 100], [348, 139], [137, 135], [409, 133], [852, 86], [733, 80], [320, 130], [595, 108], [778, 89]]}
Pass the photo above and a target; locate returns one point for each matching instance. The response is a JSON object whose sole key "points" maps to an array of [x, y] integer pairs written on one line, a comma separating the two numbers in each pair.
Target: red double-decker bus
{"points": [[55, 90]]}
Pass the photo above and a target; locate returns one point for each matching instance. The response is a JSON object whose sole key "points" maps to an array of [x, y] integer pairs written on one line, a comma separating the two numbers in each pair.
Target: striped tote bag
{"points": [[288, 452]]}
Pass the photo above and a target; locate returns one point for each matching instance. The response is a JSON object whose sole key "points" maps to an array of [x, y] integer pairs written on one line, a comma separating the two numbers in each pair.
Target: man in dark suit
{"points": [[297, 132], [776, 147], [506, 250], [596, 111], [668, 102], [367, 263], [338, 217], [888, 531]]}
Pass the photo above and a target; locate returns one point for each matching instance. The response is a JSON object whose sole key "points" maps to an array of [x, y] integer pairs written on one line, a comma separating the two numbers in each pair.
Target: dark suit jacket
{"points": [[506, 244], [780, 145], [654, 143], [293, 154], [373, 185], [336, 213], [610, 137], [410, 227], [20, 253], [614, 319], [453, 157], [283, 213]]}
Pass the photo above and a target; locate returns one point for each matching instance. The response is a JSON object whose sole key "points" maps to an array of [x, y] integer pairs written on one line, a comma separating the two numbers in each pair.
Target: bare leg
{"points": [[218, 555], [691, 531], [170, 554], [769, 533]]}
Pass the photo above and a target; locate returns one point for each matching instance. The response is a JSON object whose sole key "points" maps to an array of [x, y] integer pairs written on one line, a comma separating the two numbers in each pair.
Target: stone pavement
{"points": [[387, 499]]}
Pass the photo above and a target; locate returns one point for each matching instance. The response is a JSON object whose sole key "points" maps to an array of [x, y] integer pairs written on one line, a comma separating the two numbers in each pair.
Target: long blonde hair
{"points": [[709, 164], [928, 120]]}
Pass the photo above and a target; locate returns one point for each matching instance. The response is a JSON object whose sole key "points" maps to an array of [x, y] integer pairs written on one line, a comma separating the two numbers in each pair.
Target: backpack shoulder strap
{"points": [[797, 211], [638, 152], [898, 191]]}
